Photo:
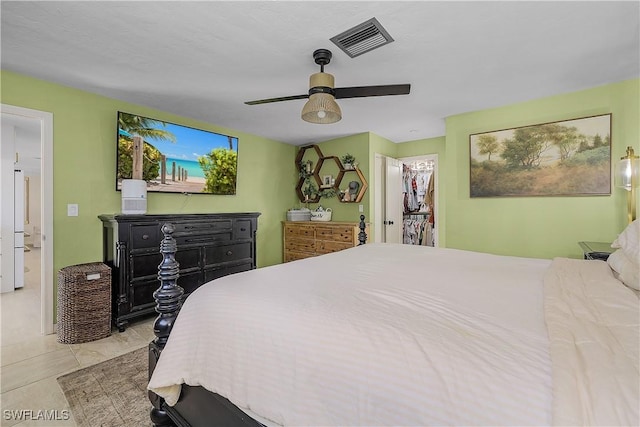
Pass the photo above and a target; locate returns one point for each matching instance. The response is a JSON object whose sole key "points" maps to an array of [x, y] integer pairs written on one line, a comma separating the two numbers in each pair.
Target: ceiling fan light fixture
{"points": [[321, 108]]}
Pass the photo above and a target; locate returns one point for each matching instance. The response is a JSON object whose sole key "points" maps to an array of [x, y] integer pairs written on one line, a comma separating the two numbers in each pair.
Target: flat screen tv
{"points": [[173, 158]]}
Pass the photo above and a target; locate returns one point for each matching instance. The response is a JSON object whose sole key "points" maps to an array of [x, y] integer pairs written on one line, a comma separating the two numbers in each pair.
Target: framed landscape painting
{"points": [[564, 158]]}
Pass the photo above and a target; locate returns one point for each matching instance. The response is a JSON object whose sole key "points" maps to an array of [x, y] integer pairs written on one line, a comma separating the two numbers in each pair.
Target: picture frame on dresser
{"points": [[211, 246]]}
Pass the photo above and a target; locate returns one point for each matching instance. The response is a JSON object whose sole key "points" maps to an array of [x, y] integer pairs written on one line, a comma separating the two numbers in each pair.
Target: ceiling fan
{"points": [[321, 107]]}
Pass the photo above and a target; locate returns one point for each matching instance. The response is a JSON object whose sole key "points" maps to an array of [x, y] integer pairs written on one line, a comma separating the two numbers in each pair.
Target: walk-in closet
{"points": [[418, 202]]}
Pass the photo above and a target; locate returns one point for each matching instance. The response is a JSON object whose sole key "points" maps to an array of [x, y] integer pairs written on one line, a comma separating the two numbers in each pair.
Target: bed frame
{"points": [[196, 406]]}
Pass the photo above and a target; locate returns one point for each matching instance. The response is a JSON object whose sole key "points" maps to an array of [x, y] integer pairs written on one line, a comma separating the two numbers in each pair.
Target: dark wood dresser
{"points": [[209, 246]]}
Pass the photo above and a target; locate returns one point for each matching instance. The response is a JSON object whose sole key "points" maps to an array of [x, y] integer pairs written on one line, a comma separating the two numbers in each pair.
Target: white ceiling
{"points": [[204, 59]]}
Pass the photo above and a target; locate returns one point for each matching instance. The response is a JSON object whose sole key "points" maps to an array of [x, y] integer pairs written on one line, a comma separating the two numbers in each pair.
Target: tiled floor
{"points": [[30, 362]]}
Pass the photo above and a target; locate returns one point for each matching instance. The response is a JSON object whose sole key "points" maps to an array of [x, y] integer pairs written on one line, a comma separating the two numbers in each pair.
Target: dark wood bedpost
{"points": [[168, 302], [362, 236]]}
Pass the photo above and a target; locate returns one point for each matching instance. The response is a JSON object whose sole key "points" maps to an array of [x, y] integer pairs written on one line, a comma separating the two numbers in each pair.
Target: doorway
{"points": [[29, 132], [420, 200], [389, 205]]}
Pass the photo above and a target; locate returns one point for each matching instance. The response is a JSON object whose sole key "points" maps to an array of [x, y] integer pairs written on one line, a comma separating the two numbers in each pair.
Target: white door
{"points": [[393, 201], [7, 159]]}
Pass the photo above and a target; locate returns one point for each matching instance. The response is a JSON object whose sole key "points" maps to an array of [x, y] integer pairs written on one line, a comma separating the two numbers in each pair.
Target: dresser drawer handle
{"points": [[243, 229], [229, 253], [145, 237]]}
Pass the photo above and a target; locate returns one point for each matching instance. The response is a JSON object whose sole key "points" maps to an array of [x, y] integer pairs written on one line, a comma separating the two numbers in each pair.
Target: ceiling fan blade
{"points": [[283, 98], [363, 91]]}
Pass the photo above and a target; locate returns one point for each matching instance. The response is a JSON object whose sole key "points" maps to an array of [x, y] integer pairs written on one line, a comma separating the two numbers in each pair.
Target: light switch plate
{"points": [[72, 209]]}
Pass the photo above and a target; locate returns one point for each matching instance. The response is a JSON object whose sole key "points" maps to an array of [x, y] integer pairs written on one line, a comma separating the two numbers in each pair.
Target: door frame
{"points": [[46, 203]]}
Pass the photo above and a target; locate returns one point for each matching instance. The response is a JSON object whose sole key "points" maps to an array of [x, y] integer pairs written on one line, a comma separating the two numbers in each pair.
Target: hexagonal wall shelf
{"points": [[316, 169], [316, 175], [363, 184]]}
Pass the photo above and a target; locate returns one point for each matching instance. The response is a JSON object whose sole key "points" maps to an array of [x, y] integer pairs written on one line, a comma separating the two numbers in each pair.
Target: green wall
{"points": [[540, 227], [84, 167], [85, 160]]}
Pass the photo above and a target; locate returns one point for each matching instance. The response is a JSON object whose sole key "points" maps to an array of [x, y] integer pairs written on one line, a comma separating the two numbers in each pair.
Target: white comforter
{"points": [[594, 340], [380, 334]]}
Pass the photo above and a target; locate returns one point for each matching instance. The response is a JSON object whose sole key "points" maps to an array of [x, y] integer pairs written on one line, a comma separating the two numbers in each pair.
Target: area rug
{"points": [[110, 394]]}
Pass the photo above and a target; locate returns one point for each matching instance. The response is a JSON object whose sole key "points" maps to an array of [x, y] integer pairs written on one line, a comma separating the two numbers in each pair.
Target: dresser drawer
{"points": [[299, 230], [227, 253], [142, 292], [302, 245], [242, 229], [340, 234], [145, 236], [202, 239], [293, 256], [326, 247], [144, 265], [203, 227]]}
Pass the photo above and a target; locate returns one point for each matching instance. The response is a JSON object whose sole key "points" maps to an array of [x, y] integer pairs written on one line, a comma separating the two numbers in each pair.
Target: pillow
{"points": [[629, 241], [627, 271]]}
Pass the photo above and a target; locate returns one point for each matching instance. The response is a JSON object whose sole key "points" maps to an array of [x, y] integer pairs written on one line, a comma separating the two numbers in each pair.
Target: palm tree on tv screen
{"points": [[130, 125]]}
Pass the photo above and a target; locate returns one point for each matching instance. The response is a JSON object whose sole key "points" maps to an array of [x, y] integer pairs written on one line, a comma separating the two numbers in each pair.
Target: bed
{"points": [[385, 334]]}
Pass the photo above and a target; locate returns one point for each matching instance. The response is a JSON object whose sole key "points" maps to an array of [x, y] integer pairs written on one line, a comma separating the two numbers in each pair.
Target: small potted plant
{"points": [[328, 193], [310, 191], [348, 161]]}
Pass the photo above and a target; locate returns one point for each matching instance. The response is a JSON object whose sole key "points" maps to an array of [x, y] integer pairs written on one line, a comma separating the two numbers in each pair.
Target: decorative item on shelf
{"points": [[302, 214], [328, 192], [321, 214], [308, 179], [360, 190], [309, 190], [354, 186], [348, 161], [628, 178]]}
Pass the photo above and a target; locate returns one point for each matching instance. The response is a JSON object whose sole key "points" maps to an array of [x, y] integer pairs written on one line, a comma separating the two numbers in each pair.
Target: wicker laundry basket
{"points": [[84, 303]]}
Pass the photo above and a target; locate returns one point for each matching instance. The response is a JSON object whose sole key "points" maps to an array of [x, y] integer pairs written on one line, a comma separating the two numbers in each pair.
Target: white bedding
{"points": [[380, 334], [594, 340]]}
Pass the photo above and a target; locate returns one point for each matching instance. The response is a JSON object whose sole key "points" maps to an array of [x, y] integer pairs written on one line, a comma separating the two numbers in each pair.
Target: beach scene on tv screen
{"points": [[176, 158]]}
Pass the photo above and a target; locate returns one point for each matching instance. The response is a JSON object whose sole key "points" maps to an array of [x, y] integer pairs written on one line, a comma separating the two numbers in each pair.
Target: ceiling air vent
{"points": [[362, 38]]}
